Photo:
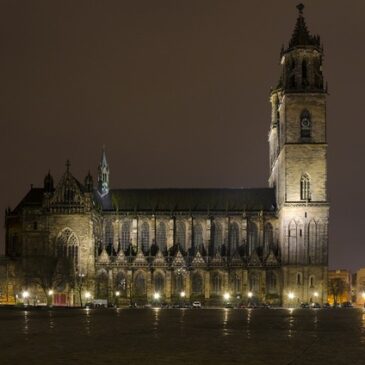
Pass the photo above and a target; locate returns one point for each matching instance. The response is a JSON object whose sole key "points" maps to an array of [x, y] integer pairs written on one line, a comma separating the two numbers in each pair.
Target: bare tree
{"points": [[337, 288], [48, 272]]}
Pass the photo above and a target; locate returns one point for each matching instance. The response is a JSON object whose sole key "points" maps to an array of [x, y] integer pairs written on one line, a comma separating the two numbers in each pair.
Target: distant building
{"points": [[339, 286], [360, 287], [201, 243]]}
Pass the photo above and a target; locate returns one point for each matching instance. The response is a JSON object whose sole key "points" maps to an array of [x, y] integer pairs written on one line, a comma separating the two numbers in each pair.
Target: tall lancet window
{"points": [[305, 192], [305, 124]]}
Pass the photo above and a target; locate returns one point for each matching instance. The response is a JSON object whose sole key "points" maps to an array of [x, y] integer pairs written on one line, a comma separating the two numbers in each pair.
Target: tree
{"points": [[79, 282], [48, 272], [336, 288]]}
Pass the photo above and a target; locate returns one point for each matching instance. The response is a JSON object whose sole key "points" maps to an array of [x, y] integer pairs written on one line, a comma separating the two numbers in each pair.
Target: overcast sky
{"points": [[178, 91]]}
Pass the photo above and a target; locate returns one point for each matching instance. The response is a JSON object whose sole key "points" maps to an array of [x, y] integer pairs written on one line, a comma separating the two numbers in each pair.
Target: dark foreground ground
{"points": [[169, 336]]}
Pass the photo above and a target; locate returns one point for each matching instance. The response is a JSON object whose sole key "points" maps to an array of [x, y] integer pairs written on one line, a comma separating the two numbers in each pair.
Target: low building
{"points": [[7, 281]]}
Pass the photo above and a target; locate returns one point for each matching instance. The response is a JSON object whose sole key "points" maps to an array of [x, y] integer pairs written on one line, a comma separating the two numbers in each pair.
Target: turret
{"points": [[103, 175]]}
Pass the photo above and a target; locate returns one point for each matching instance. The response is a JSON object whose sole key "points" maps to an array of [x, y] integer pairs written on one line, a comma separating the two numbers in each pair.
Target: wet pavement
{"points": [[182, 336]]}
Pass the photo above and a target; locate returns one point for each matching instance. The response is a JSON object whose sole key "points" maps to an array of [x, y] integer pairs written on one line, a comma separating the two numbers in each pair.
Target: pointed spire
{"points": [[103, 175], [301, 35]]}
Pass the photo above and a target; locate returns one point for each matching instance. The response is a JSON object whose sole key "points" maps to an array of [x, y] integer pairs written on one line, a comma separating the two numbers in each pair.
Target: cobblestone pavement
{"points": [[182, 336]]}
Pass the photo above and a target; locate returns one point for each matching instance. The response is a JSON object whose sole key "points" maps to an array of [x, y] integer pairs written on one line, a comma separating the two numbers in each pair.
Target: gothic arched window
{"points": [[197, 284], [268, 238], [161, 236], [139, 285], [145, 236], [292, 240], [305, 124], [67, 245], [158, 282], [305, 192], [125, 236], [312, 241], [233, 237], [217, 237], [109, 234], [217, 283], [304, 74], [252, 237], [180, 238], [198, 236]]}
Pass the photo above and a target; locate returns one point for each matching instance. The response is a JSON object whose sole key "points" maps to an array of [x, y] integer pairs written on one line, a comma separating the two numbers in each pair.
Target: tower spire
{"points": [[301, 35], [103, 174]]}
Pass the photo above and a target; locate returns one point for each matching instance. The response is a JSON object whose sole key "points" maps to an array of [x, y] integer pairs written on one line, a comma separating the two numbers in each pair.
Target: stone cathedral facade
{"points": [[270, 242]]}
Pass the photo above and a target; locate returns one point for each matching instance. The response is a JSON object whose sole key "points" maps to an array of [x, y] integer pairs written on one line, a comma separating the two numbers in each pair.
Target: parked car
{"points": [[304, 305], [316, 305], [346, 305], [197, 304], [228, 305], [326, 305]]}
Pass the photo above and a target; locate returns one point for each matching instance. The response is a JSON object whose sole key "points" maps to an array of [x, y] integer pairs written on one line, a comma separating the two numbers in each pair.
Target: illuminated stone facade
{"points": [[202, 243]]}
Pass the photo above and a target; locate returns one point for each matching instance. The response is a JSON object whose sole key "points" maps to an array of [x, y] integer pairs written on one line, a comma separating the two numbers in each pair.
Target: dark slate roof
{"points": [[188, 199], [32, 199]]}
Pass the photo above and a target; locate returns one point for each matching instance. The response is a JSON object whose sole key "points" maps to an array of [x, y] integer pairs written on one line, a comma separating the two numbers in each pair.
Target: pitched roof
{"points": [[33, 198], [188, 199]]}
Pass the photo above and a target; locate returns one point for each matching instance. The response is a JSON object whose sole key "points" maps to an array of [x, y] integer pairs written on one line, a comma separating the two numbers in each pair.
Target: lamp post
{"points": [[182, 296], [50, 297], [25, 296], [156, 297], [226, 297], [117, 295], [249, 295]]}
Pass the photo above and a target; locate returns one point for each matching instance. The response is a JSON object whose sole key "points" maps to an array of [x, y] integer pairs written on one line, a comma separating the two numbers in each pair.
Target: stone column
{"points": [[115, 224], [208, 234], [130, 284], [153, 228], [168, 286], [170, 233], [263, 285], [225, 282], [207, 285], [190, 232], [245, 286], [134, 232], [187, 285], [149, 286]]}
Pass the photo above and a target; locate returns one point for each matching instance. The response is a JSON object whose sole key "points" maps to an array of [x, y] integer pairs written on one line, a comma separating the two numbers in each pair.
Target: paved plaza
{"points": [[182, 336]]}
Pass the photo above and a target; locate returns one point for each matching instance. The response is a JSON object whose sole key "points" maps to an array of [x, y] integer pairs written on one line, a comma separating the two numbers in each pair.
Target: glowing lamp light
{"points": [[226, 296], [50, 292], [156, 296], [117, 293], [87, 295], [250, 294], [25, 294], [291, 295], [363, 295], [316, 294], [182, 294]]}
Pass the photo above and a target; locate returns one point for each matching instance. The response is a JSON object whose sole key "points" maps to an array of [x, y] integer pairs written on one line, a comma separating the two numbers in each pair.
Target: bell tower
{"points": [[298, 165]]}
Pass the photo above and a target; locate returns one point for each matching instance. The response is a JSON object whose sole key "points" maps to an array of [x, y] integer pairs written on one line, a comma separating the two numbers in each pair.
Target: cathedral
{"points": [[267, 245]]}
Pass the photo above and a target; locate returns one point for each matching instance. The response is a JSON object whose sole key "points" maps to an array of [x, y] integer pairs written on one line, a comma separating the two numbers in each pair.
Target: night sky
{"points": [[178, 91]]}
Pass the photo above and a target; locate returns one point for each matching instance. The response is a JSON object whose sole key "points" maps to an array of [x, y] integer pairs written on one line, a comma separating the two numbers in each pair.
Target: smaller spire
{"points": [[300, 8], [103, 162]]}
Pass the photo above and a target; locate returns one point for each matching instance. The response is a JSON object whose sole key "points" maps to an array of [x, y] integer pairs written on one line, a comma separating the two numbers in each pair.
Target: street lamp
{"points": [[226, 296], [250, 294], [316, 295], [182, 294], [50, 292], [117, 293], [87, 295], [25, 294], [291, 295], [156, 296]]}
